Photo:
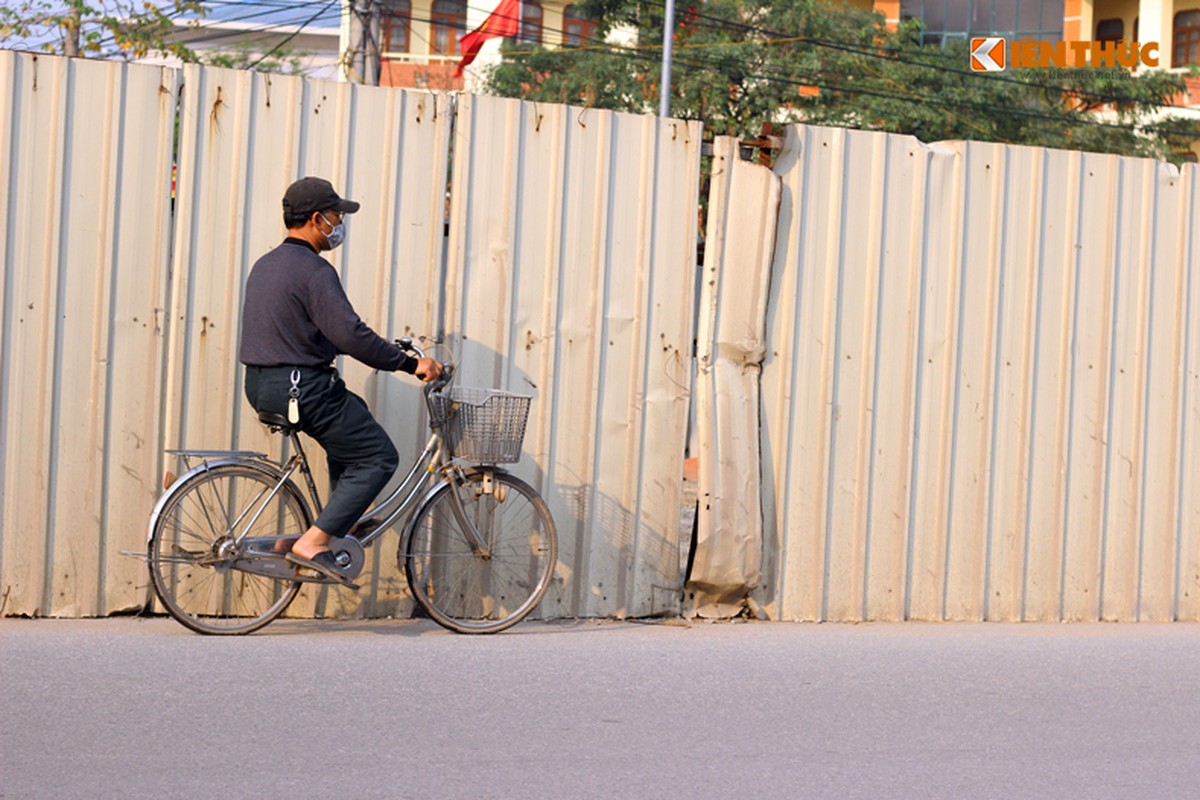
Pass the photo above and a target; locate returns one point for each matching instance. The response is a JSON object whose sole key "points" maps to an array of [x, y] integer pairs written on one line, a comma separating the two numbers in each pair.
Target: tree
{"points": [[115, 28], [741, 63]]}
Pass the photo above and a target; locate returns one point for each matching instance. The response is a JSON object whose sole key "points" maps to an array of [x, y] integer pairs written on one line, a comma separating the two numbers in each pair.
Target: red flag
{"points": [[504, 21]]}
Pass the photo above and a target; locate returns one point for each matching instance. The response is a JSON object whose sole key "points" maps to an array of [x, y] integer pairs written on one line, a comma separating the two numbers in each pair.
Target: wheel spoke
{"points": [[200, 587], [470, 592]]}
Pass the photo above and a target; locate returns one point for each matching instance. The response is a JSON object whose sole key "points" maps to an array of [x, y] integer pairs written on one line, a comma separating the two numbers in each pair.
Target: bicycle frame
{"points": [[432, 460], [408, 495], [401, 501]]}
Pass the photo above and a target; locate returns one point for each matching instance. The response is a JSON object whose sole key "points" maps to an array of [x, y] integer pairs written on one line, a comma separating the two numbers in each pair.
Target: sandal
{"points": [[323, 563]]}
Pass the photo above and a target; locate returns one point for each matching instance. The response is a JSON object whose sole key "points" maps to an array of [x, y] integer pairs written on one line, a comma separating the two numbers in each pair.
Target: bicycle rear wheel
{"points": [[486, 592], [194, 551]]}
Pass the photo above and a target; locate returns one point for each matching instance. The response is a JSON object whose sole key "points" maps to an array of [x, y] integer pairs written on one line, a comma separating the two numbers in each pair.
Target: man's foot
{"points": [[285, 544], [311, 544]]}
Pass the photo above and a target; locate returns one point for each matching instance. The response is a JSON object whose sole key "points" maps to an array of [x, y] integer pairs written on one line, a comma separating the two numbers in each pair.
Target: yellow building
{"points": [[1173, 24]]}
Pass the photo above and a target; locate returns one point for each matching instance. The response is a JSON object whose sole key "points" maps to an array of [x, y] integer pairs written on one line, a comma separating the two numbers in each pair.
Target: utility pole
{"points": [[361, 32], [345, 42], [374, 34], [664, 87]]}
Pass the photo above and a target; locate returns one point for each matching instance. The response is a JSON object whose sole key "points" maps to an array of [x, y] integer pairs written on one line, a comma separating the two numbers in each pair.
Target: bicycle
{"points": [[479, 547]]}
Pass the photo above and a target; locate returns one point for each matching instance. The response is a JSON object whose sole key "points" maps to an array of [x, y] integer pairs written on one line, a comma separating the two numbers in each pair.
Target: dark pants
{"points": [[361, 457]]}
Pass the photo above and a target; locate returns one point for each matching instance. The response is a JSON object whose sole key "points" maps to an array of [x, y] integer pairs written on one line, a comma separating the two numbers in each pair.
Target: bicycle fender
{"points": [[432, 495], [269, 470]]}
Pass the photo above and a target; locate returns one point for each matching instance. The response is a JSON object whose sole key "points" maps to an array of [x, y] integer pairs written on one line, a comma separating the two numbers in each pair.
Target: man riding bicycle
{"points": [[296, 319]]}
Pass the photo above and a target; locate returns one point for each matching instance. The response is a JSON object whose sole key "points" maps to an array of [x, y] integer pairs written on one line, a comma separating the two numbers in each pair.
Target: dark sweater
{"points": [[296, 314]]}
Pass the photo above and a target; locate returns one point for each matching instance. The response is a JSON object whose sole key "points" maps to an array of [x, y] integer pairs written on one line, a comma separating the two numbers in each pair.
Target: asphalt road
{"points": [[127, 708]]}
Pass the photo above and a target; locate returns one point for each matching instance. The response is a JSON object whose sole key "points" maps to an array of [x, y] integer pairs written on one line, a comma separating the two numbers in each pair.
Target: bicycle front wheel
{"points": [[472, 589], [213, 524]]}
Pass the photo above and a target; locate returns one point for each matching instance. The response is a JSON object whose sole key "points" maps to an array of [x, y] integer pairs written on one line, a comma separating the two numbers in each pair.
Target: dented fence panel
{"points": [[571, 278], [730, 347], [1021, 443]]}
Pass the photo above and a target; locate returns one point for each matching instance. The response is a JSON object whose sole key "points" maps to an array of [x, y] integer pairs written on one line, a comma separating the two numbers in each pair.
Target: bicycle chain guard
{"points": [[262, 561]]}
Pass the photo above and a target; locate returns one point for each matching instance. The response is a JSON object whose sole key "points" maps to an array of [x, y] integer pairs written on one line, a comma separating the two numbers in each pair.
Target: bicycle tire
{"points": [[191, 551], [470, 593]]}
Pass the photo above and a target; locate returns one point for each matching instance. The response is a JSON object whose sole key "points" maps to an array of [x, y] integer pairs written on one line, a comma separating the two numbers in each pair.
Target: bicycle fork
{"points": [[480, 546]]}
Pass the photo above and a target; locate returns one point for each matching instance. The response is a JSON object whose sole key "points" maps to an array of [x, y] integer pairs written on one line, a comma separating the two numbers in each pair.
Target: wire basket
{"points": [[484, 425]]}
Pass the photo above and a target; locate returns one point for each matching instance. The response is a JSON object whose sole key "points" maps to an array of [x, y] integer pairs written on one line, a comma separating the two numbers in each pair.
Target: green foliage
{"points": [[807, 60], [123, 28]]}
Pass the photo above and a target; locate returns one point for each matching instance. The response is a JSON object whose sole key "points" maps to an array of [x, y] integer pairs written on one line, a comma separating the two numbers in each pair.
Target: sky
{"points": [[257, 13]]}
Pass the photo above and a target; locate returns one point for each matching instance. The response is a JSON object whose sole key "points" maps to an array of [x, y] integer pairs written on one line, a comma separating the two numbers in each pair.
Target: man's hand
{"points": [[428, 369]]}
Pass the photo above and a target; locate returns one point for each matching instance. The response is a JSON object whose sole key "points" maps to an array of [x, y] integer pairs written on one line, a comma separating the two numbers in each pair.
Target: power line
{"points": [[816, 81], [277, 47], [214, 34], [865, 50], [773, 75], [822, 83], [873, 52]]}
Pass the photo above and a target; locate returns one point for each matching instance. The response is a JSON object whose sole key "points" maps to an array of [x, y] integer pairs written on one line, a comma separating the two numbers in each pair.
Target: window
{"points": [[397, 16], [531, 23], [950, 20], [576, 29], [449, 21], [1110, 30], [1187, 39]]}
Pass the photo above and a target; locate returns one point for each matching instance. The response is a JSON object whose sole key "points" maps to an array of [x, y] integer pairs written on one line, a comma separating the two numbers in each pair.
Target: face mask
{"points": [[336, 236]]}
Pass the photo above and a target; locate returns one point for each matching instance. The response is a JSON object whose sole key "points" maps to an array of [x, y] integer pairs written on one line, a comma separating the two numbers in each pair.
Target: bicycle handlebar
{"points": [[406, 344]]}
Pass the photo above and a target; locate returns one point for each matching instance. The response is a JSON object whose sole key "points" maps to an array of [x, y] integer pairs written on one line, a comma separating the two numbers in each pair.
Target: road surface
{"points": [[128, 708]]}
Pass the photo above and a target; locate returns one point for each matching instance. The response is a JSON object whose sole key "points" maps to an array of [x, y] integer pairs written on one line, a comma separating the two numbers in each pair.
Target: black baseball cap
{"points": [[310, 194]]}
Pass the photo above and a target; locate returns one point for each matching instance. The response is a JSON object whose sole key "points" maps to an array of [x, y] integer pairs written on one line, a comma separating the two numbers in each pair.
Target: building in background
{"points": [[418, 40], [1173, 24], [404, 43], [304, 37], [1044, 20]]}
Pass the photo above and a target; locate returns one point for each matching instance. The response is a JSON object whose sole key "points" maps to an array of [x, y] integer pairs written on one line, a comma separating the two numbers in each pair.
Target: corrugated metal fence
{"points": [[954, 381], [979, 390], [120, 319], [86, 176], [571, 276]]}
